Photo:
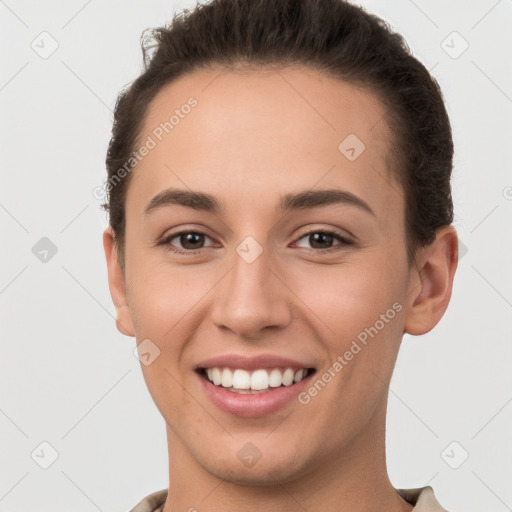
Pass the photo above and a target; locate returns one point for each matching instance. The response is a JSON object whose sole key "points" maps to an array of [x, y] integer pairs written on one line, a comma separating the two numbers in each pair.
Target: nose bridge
{"points": [[250, 298]]}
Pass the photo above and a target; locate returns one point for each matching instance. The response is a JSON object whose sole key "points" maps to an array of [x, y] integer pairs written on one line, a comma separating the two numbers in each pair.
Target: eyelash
{"points": [[190, 252]]}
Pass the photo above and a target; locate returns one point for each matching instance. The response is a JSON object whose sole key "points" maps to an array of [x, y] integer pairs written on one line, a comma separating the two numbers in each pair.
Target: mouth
{"points": [[254, 386], [258, 381]]}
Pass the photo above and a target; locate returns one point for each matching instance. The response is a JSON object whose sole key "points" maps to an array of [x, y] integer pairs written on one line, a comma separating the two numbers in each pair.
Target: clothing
{"points": [[422, 498]]}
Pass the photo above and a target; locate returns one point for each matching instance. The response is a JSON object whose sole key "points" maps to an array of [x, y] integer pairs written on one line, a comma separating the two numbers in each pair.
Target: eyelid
{"points": [[170, 233], [165, 240], [335, 233]]}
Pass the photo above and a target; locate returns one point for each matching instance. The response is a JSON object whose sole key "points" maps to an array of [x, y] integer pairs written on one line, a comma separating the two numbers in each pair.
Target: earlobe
{"points": [[121, 326], [434, 281], [116, 284]]}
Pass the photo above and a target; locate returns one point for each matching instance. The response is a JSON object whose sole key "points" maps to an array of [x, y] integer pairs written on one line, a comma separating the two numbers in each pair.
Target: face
{"points": [[295, 260]]}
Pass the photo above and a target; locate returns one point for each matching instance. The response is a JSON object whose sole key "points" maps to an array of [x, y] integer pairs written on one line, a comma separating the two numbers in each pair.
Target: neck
{"points": [[354, 480]]}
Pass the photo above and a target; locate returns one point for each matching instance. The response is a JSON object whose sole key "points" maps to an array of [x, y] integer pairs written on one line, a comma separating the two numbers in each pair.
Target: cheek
{"points": [[162, 295], [359, 316], [163, 302], [346, 297]]}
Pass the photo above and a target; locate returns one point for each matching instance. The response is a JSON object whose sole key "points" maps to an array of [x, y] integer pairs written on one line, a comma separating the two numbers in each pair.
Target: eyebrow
{"points": [[202, 201]]}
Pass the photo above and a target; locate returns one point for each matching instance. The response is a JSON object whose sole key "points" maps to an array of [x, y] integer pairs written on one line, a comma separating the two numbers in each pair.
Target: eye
{"points": [[323, 239], [190, 241]]}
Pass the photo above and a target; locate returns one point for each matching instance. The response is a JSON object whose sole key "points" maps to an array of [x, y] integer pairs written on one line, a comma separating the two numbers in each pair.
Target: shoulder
{"points": [[152, 502], [423, 499]]}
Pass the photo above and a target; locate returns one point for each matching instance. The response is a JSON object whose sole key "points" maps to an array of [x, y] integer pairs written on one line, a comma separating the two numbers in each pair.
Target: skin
{"points": [[254, 136]]}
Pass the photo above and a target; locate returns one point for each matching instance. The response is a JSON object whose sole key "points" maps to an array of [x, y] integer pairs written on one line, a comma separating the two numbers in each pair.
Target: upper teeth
{"points": [[258, 380]]}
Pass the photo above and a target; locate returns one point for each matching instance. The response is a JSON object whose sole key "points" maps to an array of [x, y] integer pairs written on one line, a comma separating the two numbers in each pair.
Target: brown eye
{"points": [[321, 240], [191, 240], [324, 240], [185, 242]]}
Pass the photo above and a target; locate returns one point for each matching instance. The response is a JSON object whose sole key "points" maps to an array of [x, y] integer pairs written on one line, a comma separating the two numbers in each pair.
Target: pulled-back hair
{"points": [[333, 36]]}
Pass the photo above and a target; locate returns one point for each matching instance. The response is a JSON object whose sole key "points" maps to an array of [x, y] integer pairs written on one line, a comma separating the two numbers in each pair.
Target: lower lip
{"points": [[248, 405]]}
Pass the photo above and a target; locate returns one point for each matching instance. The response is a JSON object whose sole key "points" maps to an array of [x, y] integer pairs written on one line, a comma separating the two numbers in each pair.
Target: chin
{"points": [[269, 470]]}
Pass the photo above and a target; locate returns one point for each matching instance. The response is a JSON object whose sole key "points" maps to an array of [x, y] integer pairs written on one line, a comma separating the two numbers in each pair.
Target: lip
{"points": [[250, 406], [235, 361]]}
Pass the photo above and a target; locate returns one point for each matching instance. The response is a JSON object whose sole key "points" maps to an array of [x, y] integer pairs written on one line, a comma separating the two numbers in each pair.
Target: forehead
{"points": [[265, 130]]}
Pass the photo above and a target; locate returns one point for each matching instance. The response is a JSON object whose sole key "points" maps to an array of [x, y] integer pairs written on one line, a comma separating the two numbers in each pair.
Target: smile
{"points": [[257, 381]]}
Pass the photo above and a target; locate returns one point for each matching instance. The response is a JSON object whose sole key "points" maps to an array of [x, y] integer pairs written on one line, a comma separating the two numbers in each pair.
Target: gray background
{"points": [[68, 378]]}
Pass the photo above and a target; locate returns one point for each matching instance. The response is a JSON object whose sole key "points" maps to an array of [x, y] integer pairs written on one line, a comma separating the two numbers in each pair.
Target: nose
{"points": [[252, 298]]}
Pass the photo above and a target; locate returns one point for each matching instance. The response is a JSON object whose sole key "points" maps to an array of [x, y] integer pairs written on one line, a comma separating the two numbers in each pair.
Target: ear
{"points": [[117, 285], [432, 281]]}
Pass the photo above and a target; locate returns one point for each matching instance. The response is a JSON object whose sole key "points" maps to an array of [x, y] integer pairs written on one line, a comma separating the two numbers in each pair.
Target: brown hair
{"points": [[333, 36]]}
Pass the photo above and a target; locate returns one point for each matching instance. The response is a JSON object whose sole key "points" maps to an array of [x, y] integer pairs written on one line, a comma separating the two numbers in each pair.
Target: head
{"points": [[279, 121]]}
